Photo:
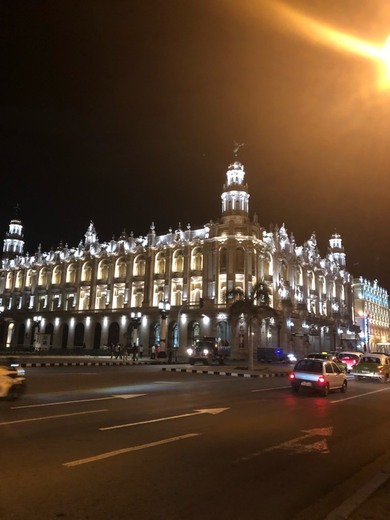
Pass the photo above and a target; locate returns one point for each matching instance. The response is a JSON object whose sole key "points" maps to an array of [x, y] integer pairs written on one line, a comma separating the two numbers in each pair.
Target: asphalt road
{"points": [[130, 442]]}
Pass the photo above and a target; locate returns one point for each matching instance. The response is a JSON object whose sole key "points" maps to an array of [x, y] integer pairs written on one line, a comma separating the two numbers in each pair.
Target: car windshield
{"points": [[348, 356], [309, 365]]}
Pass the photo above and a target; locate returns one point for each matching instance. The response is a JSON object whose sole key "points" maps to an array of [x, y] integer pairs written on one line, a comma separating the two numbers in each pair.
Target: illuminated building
{"points": [[371, 308], [86, 295]]}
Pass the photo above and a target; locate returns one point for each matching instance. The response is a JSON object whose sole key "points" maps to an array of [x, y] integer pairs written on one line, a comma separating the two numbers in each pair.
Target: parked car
{"points": [[274, 355], [373, 366], [12, 379], [319, 375], [330, 357], [349, 358]]}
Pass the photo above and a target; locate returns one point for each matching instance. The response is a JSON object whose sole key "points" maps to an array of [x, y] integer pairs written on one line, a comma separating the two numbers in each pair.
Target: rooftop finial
{"points": [[237, 147]]}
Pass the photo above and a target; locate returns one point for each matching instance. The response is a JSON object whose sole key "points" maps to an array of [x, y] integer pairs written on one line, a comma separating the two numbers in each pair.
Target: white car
{"points": [[320, 375], [12, 380]]}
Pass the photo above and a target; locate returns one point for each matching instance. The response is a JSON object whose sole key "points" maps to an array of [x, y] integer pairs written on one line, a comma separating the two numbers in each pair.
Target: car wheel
{"points": [[325, 390], [344, 387], [13, 393], [294, 389], [385, 378]]}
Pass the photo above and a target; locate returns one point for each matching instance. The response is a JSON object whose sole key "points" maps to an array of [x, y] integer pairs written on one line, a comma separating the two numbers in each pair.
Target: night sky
{"points": [[126, 112]]}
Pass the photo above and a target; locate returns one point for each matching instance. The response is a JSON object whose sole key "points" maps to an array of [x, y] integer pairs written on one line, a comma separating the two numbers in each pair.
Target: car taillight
{"points": [[292, 376], [321, 380]]}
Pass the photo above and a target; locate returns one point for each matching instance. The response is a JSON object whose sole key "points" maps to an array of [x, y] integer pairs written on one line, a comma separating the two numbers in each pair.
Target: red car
{"points": [[351, 359]]}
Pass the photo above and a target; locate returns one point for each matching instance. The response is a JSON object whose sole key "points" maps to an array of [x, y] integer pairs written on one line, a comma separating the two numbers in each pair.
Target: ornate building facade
{"points": [[371, 308], [171, 288]]}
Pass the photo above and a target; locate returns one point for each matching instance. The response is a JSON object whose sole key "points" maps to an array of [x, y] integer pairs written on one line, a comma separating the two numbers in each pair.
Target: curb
{"points": [[224, 373], [38, 364]]}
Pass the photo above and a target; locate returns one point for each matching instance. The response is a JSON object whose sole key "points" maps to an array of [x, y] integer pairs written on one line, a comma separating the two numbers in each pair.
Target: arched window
{"points": [[103, 271], [86, 272], [240, 260], [193, 331], [139, 266], [79, 335], [49, 329], [284, 271], [97, 336], [160, 262], [56, 276], [113, 333], [19, 280], [21, 334], [65, 334], [178, 262], [29, 278], [222, 332], [298, 276], [154, 334], [71, 274], [222, 260], [267, 266], [9, 280], [120, 268], [196, 259], [42, 277]]}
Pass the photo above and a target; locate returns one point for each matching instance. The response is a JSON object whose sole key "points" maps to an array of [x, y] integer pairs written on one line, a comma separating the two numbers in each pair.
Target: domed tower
{"points": [[235, 196], [336, 248], [14, 243]]}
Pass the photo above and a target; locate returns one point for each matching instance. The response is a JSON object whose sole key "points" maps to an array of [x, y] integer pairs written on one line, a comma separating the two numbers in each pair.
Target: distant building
{"points": [[168, 289], [371, 309]]}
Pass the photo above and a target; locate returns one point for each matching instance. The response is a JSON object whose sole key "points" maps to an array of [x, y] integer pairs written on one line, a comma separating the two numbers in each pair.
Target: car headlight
{"points": [[292, 358], [205, 351], [190, 351]]}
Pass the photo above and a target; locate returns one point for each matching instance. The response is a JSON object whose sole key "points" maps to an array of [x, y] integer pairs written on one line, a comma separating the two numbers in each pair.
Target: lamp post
{"points": [[164, 307], [135, 317], [279, 326], [35, 336], [184, 303]]}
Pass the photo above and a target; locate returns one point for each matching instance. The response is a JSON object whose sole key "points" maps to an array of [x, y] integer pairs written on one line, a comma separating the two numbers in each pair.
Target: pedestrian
{"points": [[135, 352], [153, 353], [117, 351], [124, 352], [141, 351]]}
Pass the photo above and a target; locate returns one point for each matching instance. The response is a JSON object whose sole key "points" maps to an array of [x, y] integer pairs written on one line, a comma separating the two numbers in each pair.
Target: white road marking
{"points": [[120, 396], [51, 417], [359, 396], [128, 450], [297, 446], [271, 388], [166, 382], [212, 411]]}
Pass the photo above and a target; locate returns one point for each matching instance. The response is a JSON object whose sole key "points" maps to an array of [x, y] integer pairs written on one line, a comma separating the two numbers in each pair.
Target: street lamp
{"points": [[135, 322], [164, 307], [183, 304], [37, 326]]}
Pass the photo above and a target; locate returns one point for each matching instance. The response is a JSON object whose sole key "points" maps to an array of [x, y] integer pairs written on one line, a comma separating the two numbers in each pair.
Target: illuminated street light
{"points": [[135, 322], [184, 304], [164, 307], [321, 32]]}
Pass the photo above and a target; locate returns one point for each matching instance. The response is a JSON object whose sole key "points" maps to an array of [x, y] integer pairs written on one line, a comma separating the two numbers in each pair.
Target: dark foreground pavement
{"points": [[370, 502]]}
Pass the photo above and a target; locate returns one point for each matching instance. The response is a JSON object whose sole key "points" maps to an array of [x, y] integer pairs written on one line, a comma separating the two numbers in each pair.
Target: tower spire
{"points": [[13, 242]]}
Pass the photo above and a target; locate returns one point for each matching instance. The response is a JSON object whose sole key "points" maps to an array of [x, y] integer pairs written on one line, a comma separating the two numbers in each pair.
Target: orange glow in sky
{"points": [[323, 33]]}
